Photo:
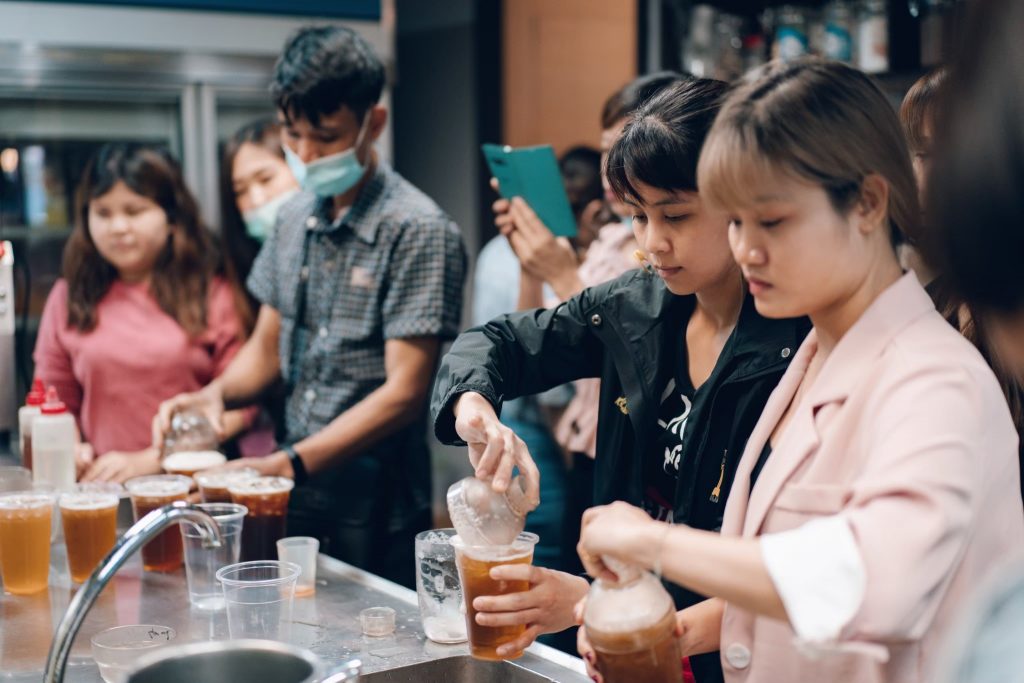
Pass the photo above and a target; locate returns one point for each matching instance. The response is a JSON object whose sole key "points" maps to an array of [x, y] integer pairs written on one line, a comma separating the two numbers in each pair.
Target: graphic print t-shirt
{"points": [[661, 470]]}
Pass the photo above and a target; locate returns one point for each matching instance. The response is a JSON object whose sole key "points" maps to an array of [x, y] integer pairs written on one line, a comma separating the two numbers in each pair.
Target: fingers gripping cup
{"points": [[164, 552], [475, 563], [266, 498], [25, 541], [90, 530], [482, 516]]}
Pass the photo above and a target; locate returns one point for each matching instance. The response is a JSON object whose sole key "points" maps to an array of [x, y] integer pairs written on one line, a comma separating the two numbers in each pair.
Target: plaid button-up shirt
{"points": [[391, 267]]}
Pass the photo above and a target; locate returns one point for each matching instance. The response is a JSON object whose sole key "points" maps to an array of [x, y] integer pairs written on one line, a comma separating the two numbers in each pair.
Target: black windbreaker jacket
{"points": [[627, 332]]}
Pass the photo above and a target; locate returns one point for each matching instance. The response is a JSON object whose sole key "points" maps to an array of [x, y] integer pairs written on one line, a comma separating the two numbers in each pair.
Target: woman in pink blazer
{"points": [[880, 486]]}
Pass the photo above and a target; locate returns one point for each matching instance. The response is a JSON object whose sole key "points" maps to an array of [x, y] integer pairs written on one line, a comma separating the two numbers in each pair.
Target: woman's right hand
{"points": [[494, 449], [209, 400]]}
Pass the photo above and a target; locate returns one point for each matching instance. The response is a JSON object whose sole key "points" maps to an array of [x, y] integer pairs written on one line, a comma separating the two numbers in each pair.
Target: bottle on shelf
{"points": [[54, 439], [26, 416], [839, 31], [873, 37], [791, 33]]}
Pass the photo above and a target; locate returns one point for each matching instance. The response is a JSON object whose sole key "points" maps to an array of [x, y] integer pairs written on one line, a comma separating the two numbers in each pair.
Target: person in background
{"points": [[255, 182], [359, 282], [581, 175], [495, 286], [879, 486], [140, 314], [546, 261], [685, 362], [918, 115]]}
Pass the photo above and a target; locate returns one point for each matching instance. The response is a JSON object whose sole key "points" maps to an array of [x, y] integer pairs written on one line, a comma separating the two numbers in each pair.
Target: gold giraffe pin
{"points": [[621, 403], [716, 492]]}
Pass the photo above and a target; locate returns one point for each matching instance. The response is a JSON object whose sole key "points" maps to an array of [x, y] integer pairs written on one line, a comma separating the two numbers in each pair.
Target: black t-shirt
{"points": [[661, 468]]}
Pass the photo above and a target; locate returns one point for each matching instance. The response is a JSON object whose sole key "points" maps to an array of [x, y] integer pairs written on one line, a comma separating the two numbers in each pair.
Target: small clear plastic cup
{"points": [[259, 597], [201, 564], [377, 621], [116, 649], [302, 550]]}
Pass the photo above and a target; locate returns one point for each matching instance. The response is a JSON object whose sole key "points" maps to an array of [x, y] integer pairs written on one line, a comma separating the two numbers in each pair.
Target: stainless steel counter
{"points": [[326, 623]]}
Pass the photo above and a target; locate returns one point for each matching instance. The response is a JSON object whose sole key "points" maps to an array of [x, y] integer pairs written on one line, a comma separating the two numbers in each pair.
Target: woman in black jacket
{"points": [[686, 363]]}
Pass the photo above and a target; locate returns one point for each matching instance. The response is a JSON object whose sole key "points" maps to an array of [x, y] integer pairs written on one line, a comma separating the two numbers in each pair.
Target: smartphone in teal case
{"points": [[532, 173]]}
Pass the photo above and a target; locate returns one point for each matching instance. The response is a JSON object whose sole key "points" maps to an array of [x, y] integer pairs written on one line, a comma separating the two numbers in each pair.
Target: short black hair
{"points": [[629, 97], [325, 68], [661, 143]]}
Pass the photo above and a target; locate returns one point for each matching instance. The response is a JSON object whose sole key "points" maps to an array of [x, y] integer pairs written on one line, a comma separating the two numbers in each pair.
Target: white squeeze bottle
{"points": [[54, 438], [26, 416]]}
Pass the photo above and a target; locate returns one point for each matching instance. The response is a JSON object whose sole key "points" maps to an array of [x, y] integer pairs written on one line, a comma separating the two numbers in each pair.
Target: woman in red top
{"points": [[140, 315]]}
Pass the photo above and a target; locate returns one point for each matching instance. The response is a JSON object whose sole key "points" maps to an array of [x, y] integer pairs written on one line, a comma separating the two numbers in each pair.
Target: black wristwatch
{"points": [[299, 473]]}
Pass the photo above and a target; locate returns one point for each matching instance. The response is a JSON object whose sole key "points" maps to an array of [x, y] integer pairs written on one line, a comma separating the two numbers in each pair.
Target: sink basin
{"points": [[462, 669], [239, 661]]}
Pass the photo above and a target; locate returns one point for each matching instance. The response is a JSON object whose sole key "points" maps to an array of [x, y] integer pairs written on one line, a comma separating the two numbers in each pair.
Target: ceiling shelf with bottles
{"points": [[894, 40]]}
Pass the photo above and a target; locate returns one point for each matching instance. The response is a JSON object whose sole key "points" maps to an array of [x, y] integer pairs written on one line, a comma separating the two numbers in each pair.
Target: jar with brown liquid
{"points": [[630, 625]]}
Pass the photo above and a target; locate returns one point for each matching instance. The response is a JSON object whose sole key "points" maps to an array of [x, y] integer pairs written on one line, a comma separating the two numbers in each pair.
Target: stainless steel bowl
{"points": [[234, 661]]}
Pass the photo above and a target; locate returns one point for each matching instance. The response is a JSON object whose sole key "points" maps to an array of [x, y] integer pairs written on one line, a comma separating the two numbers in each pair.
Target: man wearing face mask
{"points": [[359, 281]]}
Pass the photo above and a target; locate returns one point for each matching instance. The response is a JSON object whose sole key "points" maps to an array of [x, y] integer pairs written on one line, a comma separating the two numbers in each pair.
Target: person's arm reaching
{"points": [[254, 368]]}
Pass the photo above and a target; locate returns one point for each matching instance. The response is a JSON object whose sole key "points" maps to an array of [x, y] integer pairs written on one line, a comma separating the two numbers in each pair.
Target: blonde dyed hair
{"points": [[813, 120]]}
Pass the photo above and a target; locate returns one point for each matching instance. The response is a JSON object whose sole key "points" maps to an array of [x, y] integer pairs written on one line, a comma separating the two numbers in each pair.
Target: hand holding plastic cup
{"points": [[259, 597], [301, 550]]}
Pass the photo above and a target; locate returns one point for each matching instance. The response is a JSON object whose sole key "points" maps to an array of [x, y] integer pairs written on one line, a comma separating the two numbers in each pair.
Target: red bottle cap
{"points": [[53, 405], [36, 396]]}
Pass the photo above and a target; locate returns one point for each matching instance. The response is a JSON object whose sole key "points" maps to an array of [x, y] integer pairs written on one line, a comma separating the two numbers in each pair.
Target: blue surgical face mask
{"points": [[260, 221], [331, 175]]}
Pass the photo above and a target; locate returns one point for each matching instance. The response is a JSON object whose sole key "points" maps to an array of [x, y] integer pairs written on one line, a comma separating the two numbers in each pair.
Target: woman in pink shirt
{"points": [[880, 486], [140, 315]]}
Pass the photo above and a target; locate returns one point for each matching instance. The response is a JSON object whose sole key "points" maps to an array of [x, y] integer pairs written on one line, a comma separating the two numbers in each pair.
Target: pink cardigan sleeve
{"points": [[52, 357]]}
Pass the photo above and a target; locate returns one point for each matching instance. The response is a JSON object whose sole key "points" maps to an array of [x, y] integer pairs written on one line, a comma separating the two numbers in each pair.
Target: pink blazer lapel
{"points": [[740, 500]]}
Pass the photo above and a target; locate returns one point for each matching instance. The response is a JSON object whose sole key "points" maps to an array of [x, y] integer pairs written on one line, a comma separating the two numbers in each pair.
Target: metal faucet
{"points": [[137, 536]]}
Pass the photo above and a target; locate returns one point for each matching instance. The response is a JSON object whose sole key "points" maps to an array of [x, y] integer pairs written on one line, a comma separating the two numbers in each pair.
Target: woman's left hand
{"points": [[549, 258], [118, 466], [621, 531]]}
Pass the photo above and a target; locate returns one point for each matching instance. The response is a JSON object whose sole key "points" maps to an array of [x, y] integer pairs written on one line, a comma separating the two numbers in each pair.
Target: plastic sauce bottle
{"points": [[26, 416], [54, 438], [631, 626]]}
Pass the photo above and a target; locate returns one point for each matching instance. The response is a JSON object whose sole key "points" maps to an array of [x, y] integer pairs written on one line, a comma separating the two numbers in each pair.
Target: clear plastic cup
{"points": [[302, 550], [377, 622], [90, 530], [475, 564], [25, 530], [14, 478], [201, 564], [438, 589], [116, 649], [259, 597], [163, 553]]}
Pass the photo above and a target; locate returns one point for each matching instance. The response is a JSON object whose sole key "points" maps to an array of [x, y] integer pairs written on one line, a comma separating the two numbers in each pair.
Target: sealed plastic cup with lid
{"points": [[482, 516], [267, 501]]}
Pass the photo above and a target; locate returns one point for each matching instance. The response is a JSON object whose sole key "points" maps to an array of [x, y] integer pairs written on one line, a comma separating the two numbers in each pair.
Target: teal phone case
{"points": [[532, 173]]}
